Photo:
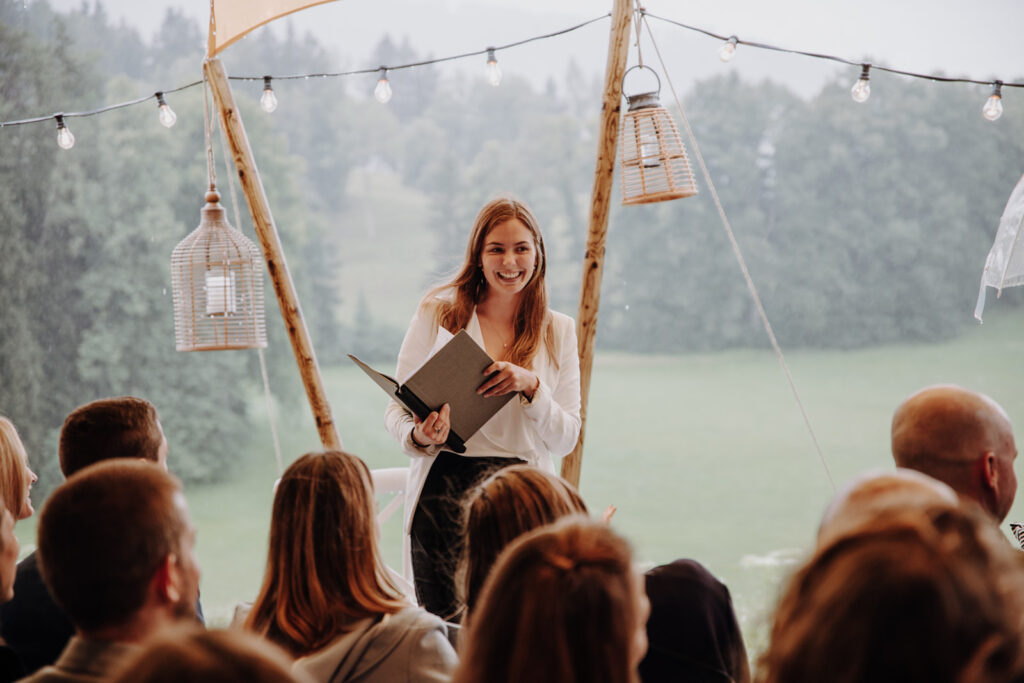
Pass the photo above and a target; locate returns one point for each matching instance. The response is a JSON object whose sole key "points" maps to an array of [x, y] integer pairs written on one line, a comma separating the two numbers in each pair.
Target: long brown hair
{"points": [[13, 477], [453, 303], [324, 568], [505, 506], [558, 607], [933, 595]]}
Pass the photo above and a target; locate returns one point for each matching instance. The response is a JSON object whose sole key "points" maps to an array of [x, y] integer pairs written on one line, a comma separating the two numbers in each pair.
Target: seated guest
{"points": [[877, 492], [563, 604], [506, 505], [116, 551], [962, 438], [125, 427], [16, 477], [327, 596], [932, 595], [191, 653], [692, 633]]}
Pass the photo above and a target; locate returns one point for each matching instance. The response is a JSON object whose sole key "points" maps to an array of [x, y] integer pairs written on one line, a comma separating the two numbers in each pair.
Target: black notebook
{"points": [[452, 376]]}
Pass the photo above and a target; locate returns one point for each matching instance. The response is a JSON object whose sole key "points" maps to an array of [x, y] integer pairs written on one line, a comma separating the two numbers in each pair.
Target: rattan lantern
{"points": [[652, 158], [217, 279]]}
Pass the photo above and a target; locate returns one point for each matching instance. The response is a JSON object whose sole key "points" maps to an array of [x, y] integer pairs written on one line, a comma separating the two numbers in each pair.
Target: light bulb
{"points": [[993, 108], [383, 90], [64, 137], [861, 91], [728, 49], [493, 70], [167, 115], [268, 102]]}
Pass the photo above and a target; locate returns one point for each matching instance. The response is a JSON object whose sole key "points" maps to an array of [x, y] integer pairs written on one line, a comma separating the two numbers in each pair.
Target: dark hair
{"points": [[103, 534], [692, 633], [933, 595], [122, 427], [324, 569], [559, 606], [502, 508], [191, 653], [453, 303]]}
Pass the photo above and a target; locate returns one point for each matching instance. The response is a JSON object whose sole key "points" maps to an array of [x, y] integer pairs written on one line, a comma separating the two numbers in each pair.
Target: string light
{"points": [[64, 137], [994, 103], [728, 49], [383, 90], [493, 70], [268, 102], [861, 91], [167, 115], [993, 108]]}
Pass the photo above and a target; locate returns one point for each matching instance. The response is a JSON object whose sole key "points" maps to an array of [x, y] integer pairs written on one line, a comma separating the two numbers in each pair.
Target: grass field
{"points": [[705, 456]]}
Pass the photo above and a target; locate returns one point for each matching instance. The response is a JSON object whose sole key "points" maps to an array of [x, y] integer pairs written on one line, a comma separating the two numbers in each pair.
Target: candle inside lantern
{"points": [[650, 150], [220, 292]]}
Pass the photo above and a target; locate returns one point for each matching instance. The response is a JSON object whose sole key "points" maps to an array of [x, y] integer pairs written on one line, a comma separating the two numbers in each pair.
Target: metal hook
{"points": [[641, 66]]}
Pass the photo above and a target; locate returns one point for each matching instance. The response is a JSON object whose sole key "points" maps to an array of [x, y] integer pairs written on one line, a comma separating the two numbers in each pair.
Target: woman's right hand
{"points": [[433, 431]]}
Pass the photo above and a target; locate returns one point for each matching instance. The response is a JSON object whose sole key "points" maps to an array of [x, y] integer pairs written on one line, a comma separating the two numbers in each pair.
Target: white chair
{"points": [[390, 480]]}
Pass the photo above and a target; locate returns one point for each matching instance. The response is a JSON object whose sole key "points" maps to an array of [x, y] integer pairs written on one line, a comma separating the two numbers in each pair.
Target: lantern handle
{"points": [[641, 66]]}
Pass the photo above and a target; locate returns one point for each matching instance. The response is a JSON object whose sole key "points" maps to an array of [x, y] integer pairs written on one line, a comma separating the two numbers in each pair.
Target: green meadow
{"points": [[704, 455]]}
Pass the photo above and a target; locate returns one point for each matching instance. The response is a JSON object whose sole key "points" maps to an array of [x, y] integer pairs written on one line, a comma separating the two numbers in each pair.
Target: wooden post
{"points": [[262, 219], [593, 262]]}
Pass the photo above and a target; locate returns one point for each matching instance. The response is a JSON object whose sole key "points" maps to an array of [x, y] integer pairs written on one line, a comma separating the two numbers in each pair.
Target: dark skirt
{"points": [[437, 527]]}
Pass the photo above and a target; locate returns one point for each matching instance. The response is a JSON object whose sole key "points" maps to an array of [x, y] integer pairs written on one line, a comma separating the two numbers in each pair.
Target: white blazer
{"points": [[536, 432]]}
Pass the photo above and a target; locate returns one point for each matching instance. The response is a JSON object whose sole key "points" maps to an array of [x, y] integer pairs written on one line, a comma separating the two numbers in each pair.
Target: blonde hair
{"points": [[558, 607], [191, 653], [453, 303], [324, 568], [509, 503], [13, 462], [932, 595]]}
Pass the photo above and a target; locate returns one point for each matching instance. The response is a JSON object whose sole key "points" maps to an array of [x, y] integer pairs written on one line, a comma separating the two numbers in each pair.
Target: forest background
{"points": [[864, 226]]}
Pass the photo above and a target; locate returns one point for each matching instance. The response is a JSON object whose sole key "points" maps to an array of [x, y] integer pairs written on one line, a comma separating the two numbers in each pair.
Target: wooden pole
{"points": [[262, 219], [593, 262]]}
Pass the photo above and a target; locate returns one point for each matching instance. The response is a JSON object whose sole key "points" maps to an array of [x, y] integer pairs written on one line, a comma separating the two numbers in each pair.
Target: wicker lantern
{"points": [[652, 158], [218, 286]]}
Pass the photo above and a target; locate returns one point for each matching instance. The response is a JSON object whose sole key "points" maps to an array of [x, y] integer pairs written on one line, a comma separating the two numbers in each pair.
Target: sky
{"points": [[976, 39]]}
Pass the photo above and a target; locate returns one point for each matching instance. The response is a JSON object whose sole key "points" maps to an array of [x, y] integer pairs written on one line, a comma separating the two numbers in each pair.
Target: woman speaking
{"points": [[499, 297]]}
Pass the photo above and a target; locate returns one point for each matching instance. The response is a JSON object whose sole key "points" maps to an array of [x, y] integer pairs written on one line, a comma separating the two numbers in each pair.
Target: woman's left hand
{"points": [[505, 377]]}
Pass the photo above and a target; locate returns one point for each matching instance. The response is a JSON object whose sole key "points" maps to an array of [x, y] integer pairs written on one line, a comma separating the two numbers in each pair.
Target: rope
{"points": [[211, 170], [263, 362], [739, 257]]}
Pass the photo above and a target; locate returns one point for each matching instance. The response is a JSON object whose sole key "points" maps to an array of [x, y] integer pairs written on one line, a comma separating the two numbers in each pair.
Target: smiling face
{"points": [[508, 258]]}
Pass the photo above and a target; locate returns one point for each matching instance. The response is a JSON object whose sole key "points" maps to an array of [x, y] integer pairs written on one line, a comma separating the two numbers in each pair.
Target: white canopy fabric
{"points": [[230, 20], [1004, 266]]}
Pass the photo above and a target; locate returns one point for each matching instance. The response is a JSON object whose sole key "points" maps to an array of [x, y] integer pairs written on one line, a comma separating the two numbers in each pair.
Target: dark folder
{"points": [[452, 376]]}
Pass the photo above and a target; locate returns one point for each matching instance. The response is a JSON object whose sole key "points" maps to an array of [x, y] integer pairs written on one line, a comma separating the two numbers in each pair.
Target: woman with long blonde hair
{"points": [[16, 477], [327, 597], [499, 296]]}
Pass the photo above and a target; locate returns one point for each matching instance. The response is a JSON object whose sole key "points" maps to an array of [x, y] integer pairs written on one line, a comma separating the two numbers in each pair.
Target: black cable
{"points": [[120, 105], [817, 55]]}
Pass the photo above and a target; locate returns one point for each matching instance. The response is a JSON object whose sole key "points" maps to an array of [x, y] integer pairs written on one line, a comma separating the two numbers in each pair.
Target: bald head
{"points": [[962, 438], [878, 492]]}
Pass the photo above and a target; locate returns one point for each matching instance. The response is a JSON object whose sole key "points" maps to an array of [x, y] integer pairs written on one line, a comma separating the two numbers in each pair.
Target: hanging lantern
{"points": [[218, 286], [652, 158]]}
